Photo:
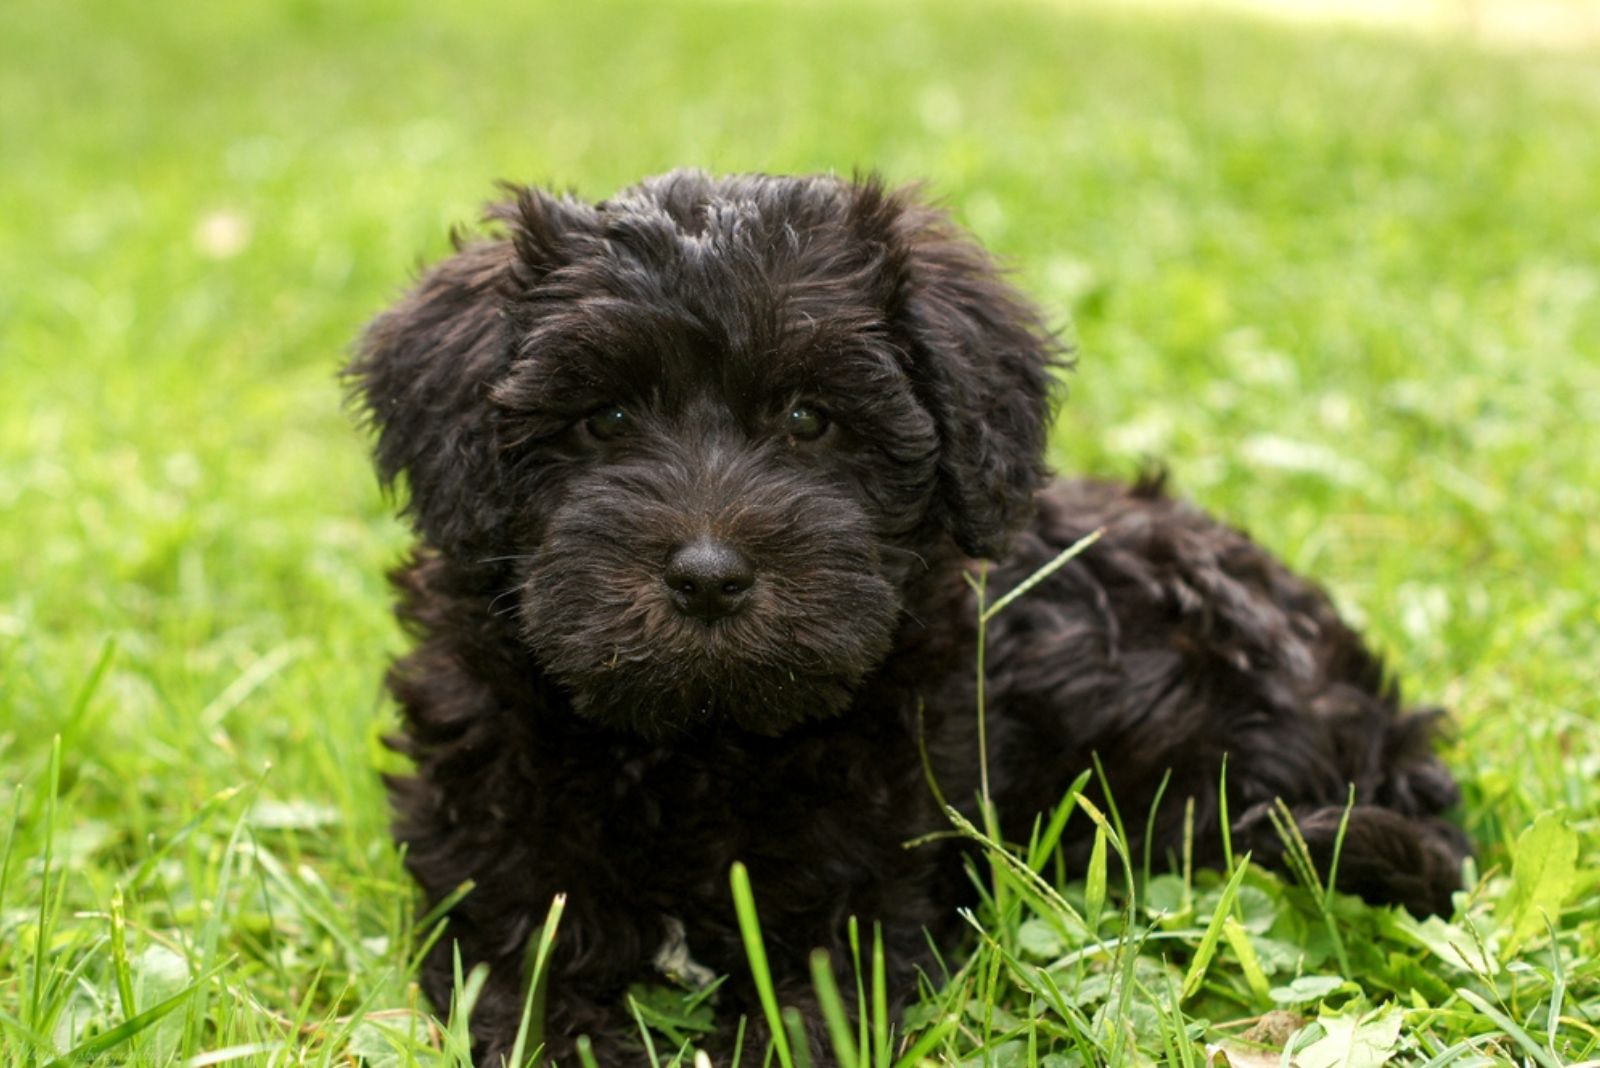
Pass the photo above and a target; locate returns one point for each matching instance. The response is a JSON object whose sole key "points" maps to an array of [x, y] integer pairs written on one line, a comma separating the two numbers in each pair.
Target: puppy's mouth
{"points": [[636, 653]]}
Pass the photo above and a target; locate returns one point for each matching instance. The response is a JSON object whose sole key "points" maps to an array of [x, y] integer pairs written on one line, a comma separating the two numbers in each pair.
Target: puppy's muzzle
{"points": [[709, 579]]}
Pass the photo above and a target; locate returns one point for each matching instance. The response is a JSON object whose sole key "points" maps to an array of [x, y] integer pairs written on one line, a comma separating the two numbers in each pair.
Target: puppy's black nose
{"points": [[709, 579]]}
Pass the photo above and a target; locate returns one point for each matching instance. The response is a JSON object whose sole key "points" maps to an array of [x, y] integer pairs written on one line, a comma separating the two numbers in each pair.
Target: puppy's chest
{"points": [[676, 818]]}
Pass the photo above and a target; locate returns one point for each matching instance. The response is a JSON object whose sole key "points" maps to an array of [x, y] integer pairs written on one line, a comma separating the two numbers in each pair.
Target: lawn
{"points": [[1346, 285]]}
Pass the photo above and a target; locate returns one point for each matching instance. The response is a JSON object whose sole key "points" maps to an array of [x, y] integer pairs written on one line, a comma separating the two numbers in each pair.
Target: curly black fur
{"points": [[576, 731]]}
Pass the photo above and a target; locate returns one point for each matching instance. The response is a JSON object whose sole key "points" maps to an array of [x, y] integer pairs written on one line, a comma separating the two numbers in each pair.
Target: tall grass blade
{"points": [[795, 1025], [120, 1034], [644, 1035], [1094, 891], [834, 1015], [46, 899], [1150, 826], [1298, 856], [1509, 1026], [11, 843], [1208, 941], [863, 1013], [91, 686], [880, 1001], [1046, 843], [530, 1028], [744, 906], [119, 954], [1059, 561]]}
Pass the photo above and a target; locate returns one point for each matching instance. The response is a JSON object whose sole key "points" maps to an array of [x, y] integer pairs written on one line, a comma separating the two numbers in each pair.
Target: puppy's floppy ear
{"points": [[423, 370], [982, 361]]}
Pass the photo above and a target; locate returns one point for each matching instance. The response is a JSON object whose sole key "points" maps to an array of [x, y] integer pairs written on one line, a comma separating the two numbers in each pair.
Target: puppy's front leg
{"points": [[905, 944], [598, 951]]}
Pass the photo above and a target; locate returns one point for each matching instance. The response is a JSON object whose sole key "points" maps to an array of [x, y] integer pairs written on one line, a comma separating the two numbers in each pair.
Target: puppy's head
{"points": [[711, 428]]}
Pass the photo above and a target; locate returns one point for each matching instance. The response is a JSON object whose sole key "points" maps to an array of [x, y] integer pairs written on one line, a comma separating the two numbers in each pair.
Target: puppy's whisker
{"points": [[900, 550], [510, 610]]}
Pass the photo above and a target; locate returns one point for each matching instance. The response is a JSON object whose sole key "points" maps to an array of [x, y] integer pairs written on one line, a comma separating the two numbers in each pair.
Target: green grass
{"points": [[1348, 286]]}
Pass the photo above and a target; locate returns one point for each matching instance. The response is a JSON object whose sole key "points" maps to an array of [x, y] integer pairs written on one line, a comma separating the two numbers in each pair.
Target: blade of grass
{"points": [[987, 612], [744, 905], [1113, 831], [644, 1034], [1298, 856], [91, 685], [46, 911], [1223, 823], [309, 909], [151, 863], [233, 1053], [795, 1025], [1558, 987], [211, 930], [738, 1042], [464, 993], [979, 588], [115, 1037], [530, 1029], [1338, 845], [11, 842], [1094, 890], [1115, 813], [833, 1011], [1150, 825], [1208, 941], [119, 954], [1509, 1026], [437, 921], [40, 1043], [863, 1014], [1060, 560], [880, 1000], [1051, 837], [924, 1046], [1249, 963], [1048, 897], [446, 903]]}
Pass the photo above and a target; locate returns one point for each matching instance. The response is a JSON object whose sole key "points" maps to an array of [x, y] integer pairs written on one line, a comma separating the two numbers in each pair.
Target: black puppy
{"points": [[696, 473]]}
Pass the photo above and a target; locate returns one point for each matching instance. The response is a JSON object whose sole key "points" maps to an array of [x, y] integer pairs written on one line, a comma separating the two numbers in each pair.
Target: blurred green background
{"points": [[1344, 281]]}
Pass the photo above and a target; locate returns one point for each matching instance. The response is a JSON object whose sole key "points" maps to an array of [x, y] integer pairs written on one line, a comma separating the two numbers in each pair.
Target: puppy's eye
{"points": [[805, 423], [609, 423]]}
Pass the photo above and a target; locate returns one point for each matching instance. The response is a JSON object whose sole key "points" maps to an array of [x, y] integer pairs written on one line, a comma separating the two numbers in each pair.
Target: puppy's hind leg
{"points": [[1381, 855], [1350, 748], [1368, 804]]}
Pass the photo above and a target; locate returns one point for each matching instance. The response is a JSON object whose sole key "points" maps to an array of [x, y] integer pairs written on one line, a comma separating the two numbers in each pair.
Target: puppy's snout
{"points": [[709, 579]]}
